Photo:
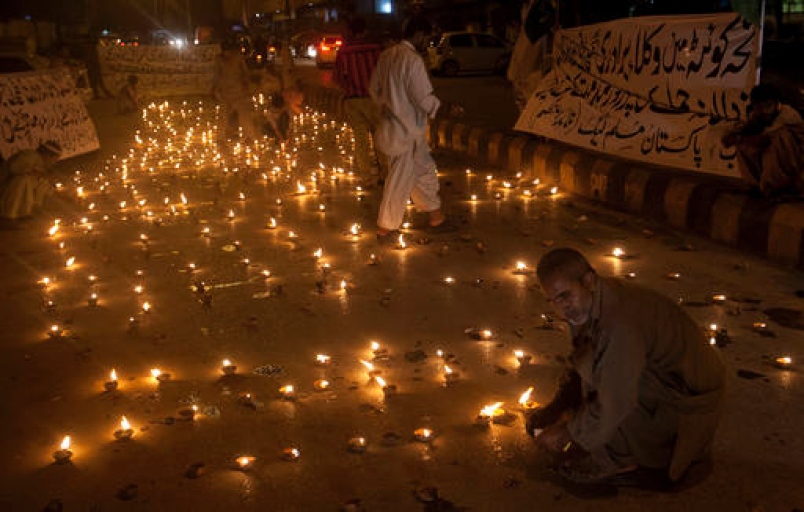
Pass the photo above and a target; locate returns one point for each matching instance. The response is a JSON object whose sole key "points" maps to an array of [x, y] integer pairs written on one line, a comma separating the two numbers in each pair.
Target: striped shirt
{"points": [[353, 67]]}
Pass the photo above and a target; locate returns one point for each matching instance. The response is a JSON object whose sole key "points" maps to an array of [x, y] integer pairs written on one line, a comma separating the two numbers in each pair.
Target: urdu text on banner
{"points": [[41, 106], [662, 89]]}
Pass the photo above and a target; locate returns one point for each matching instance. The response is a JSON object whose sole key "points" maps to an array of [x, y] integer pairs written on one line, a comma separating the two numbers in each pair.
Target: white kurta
{"points": [[401, 88]]}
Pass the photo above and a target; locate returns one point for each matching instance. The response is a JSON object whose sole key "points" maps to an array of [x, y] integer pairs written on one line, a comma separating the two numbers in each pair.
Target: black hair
{"points": [[415, 25], [133, 79], [764, 92], [563, 261], [357, 26]]}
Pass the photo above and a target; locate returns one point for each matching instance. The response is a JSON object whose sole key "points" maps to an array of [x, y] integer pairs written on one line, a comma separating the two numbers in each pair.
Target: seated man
{"points": [[128, 100], [770, 145], [23, 183], [644, 390]]}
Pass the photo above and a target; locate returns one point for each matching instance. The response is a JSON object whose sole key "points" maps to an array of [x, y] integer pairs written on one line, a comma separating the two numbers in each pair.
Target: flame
{"points": [[492, 410], [322, 358], [146, 306], [525, 397], [138, 289], [375, 346], [402, 243], [155, 373], [440, 353], [519, 354], [449, 280], [113, 375], [183, 198], [355, 229], [369, 366], [447, 369], [486, 334], [70, 261], [245, 460], [423, 433], [65, 443], [124, 424], [52, 231], [300, 188], [786, 360], [618, 252], [554, 190], [381, 382], [344, 284], [322, 384], [318, 253], [521, 265], [287, 389], [226, 363], [272, 223]]}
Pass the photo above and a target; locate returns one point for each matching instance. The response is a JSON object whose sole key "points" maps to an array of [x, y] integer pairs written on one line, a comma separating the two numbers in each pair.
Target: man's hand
{"points": [[555, 439]]}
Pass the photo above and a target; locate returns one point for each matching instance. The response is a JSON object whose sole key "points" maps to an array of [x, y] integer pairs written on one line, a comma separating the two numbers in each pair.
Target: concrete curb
{"points": [[708, 206]]}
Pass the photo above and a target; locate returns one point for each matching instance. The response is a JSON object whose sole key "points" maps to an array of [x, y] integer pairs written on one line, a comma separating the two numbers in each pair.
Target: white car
{"points": [[458, 52]]}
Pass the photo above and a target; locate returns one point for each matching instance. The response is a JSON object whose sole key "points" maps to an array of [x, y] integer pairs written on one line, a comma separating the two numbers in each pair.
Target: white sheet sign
{"points": [[162, 70], [661, 89], [40, 106]]}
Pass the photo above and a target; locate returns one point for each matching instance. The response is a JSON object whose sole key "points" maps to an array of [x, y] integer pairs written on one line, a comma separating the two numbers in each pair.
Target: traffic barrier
{"points": [[710, 206]]}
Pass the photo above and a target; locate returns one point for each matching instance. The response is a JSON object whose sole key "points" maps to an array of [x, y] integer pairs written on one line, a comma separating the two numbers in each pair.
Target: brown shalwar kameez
{"points": [[652, 384]]}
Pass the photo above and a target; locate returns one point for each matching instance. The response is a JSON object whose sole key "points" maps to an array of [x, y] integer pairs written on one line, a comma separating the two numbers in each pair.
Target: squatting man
{"points": [[643, 392]]}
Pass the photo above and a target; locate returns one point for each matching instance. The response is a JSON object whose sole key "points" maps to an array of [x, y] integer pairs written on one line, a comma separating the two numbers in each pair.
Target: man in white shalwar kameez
{"points": [[402, 90]]}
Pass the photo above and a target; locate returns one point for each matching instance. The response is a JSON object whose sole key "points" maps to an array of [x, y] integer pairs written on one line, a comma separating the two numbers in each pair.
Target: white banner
{"points": [[661, 89], [40, 106], [163, 70]]}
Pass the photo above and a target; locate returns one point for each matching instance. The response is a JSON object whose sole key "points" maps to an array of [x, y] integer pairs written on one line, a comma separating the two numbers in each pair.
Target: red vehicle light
{"points": [[325, 48]]}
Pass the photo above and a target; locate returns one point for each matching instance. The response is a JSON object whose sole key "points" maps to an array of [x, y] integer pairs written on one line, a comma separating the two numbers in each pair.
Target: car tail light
{"points": [[325, 47]]}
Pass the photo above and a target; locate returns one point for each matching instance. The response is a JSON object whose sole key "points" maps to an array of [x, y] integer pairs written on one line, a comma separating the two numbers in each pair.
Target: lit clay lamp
{"points": [[111, 384], [322, 385], [526, 402], [522, 269], [387, 389], [424, 435], [228, 368], [522, 358], [245, 462], [288, 392], [291, 454], [783, 362], [357, 445], [125, 431], [493, 413], [323, 360], [450, 375], [63, 454]]}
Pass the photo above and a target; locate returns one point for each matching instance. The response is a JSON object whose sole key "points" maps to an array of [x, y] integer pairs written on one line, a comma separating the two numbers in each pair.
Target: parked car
{"points": [[458, 52], [328, 49], [304, 45]]}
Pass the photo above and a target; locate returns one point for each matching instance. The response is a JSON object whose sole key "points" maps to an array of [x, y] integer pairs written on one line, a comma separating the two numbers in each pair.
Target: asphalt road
{"points": [[166, 213]]}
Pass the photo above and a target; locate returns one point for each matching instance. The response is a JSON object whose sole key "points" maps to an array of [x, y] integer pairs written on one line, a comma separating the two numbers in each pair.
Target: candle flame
{"points": [[322, 358], [318, 253], [521, 265], [287, 389], [402, 243], [618, 252], [369, 366], [146, 306], [785, 360], [447, 369], [381, 382], [525, 397], [355, 229], [492, 410], [52, 231], [519, 354], [124, 424], [244, 461], [113, 375], [226, 363], [65, 443], [375, 346], [300, 188], [155, 373], [70, 261]]}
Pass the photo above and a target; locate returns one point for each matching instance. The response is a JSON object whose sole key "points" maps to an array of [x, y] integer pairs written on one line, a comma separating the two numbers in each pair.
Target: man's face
{"points": [[765, 111], [419, 41], [573, 298]]}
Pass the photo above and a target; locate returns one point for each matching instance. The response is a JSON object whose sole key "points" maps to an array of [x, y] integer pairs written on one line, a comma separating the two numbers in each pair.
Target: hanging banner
{"points": [[162, 70], [662, 89], [41, 106]]}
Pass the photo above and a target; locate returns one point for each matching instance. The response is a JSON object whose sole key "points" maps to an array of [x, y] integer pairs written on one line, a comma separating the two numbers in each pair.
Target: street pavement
{"points": [[158, 208]]}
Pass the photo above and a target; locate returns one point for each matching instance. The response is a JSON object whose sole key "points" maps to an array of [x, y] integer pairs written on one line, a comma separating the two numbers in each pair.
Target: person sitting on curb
{"points": [[128, 99], [23, 184], [770, 145], [643, 395]]}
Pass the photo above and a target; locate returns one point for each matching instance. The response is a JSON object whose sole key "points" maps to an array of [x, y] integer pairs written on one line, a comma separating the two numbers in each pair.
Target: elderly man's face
{"points": [[572, 297]]}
